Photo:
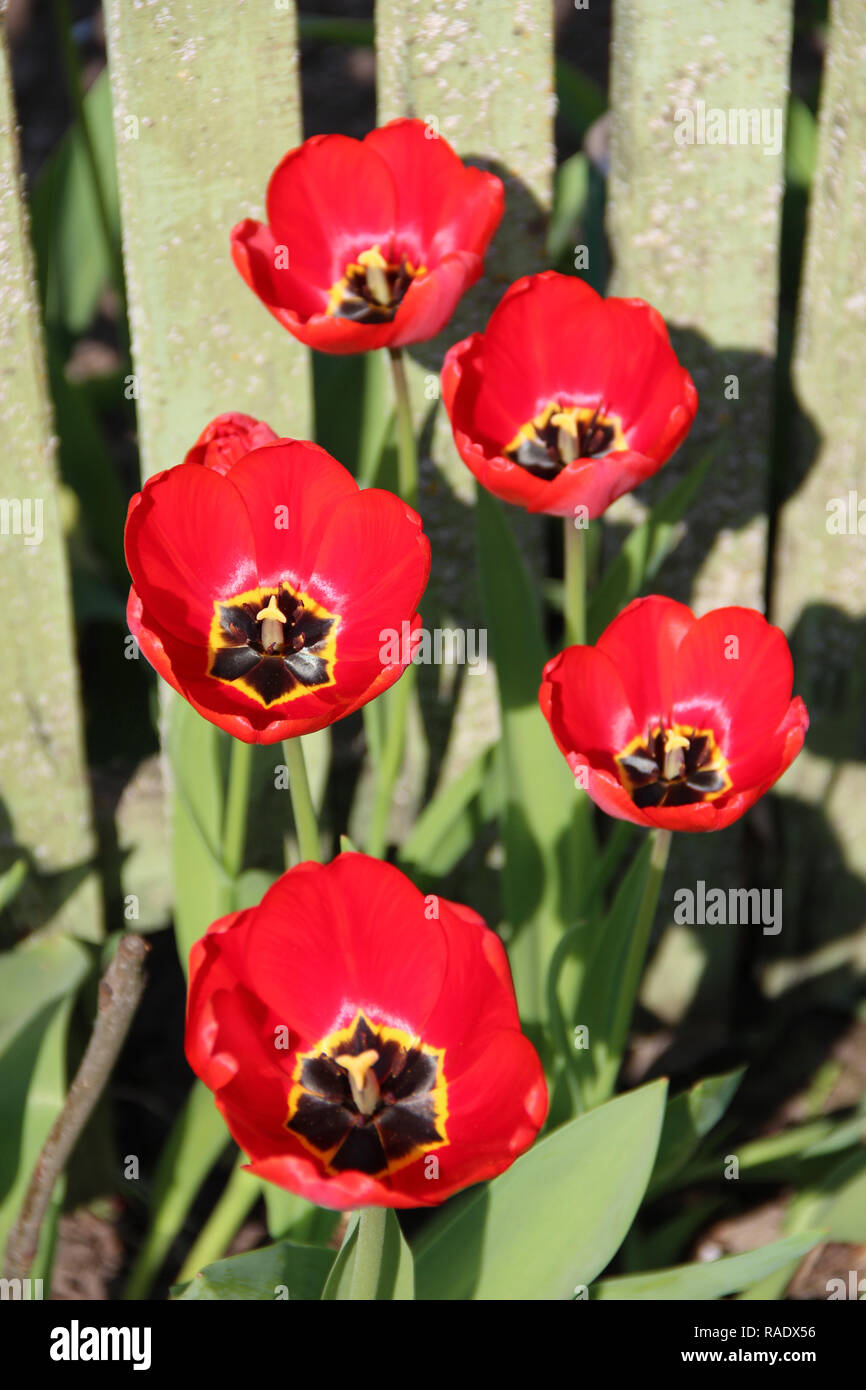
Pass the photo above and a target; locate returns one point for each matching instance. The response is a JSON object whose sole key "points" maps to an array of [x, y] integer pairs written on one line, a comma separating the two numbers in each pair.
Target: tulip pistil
{"points": [[273, 644]]}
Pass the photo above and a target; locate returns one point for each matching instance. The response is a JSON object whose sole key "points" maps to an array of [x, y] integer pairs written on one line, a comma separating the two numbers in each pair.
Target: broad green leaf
{"points": [[396, 1275], [281, 1271], [688, 1118], [710, 1279], [556, 1218], [644, 550], [801, 144]]}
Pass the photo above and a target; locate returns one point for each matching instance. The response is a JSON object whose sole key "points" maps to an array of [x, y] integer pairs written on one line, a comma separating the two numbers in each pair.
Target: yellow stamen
{"points": [[675, 740], [362, 1078], [565, 420], [674, 761]]}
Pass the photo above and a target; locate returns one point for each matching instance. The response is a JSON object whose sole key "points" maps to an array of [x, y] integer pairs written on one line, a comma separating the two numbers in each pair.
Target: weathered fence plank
{"points": [[484, 75], [45, 809], [820, 590], [204, 109], [694, 225]]}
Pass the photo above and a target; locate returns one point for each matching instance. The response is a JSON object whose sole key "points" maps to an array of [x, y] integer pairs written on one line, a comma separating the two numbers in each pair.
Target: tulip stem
{"points": [[368, 1253], [575, 582], [407, 453], [302, 802], [237, 807]]}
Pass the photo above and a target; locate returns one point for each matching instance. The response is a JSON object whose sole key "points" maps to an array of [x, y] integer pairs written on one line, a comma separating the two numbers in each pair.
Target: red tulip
{"points": [[369, 243], [673, 720], [261, 587], [362, 1041], [226, 439], [567, 400]]}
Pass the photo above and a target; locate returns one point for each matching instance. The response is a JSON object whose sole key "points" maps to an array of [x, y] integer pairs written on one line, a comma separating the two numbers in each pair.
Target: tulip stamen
{"points": [[559, 434], [372, 287], [673, 766], [362, 1078], [369, 1097]]}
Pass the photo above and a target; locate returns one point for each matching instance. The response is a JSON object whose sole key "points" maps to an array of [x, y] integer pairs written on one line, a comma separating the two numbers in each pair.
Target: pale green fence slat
{"points": [[820, 589], [694, 228], [206, 104], [484, 74], [45, 809]]}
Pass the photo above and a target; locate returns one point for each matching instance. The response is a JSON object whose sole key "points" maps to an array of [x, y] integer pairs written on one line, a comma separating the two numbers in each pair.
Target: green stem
{"points": [[574, 544], [407, 454], [368, 1253], [237, 807], [302, 802]]}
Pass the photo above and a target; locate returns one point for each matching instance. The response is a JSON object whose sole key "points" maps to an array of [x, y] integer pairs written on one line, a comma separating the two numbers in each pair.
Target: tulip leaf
{"points": [[449, 824], [396, 1273], [688, 1118], [544, 850], [196, 1141], [709, 1279], [32, 1091], [281, 1271], [556, 1218], [644, 551]]}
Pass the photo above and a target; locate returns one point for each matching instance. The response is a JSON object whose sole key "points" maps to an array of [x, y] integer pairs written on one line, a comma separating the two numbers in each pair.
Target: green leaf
{"points": [[801, 144], [610, 982], [281, 1271], [688, 1118], [449, 824], [556, 1218], [196, 1141], [396, 1274], [73, 261], [710, 1279], [570, 192], [544, 850], [32, 1091], [644, 551], [348, 846], [35, 974], [581, 101], [11, 880]]}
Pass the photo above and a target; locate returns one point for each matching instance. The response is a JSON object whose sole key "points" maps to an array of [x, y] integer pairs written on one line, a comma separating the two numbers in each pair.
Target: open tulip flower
{"points": [[567, 400], [676, 721], [369, 243], [262, 579], [361, 1040]]}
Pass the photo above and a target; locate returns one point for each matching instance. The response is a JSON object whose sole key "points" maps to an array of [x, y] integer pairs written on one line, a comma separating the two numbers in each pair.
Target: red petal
{"points": [[187, 545], [587, 705], [329, 200], [642, 643]]}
